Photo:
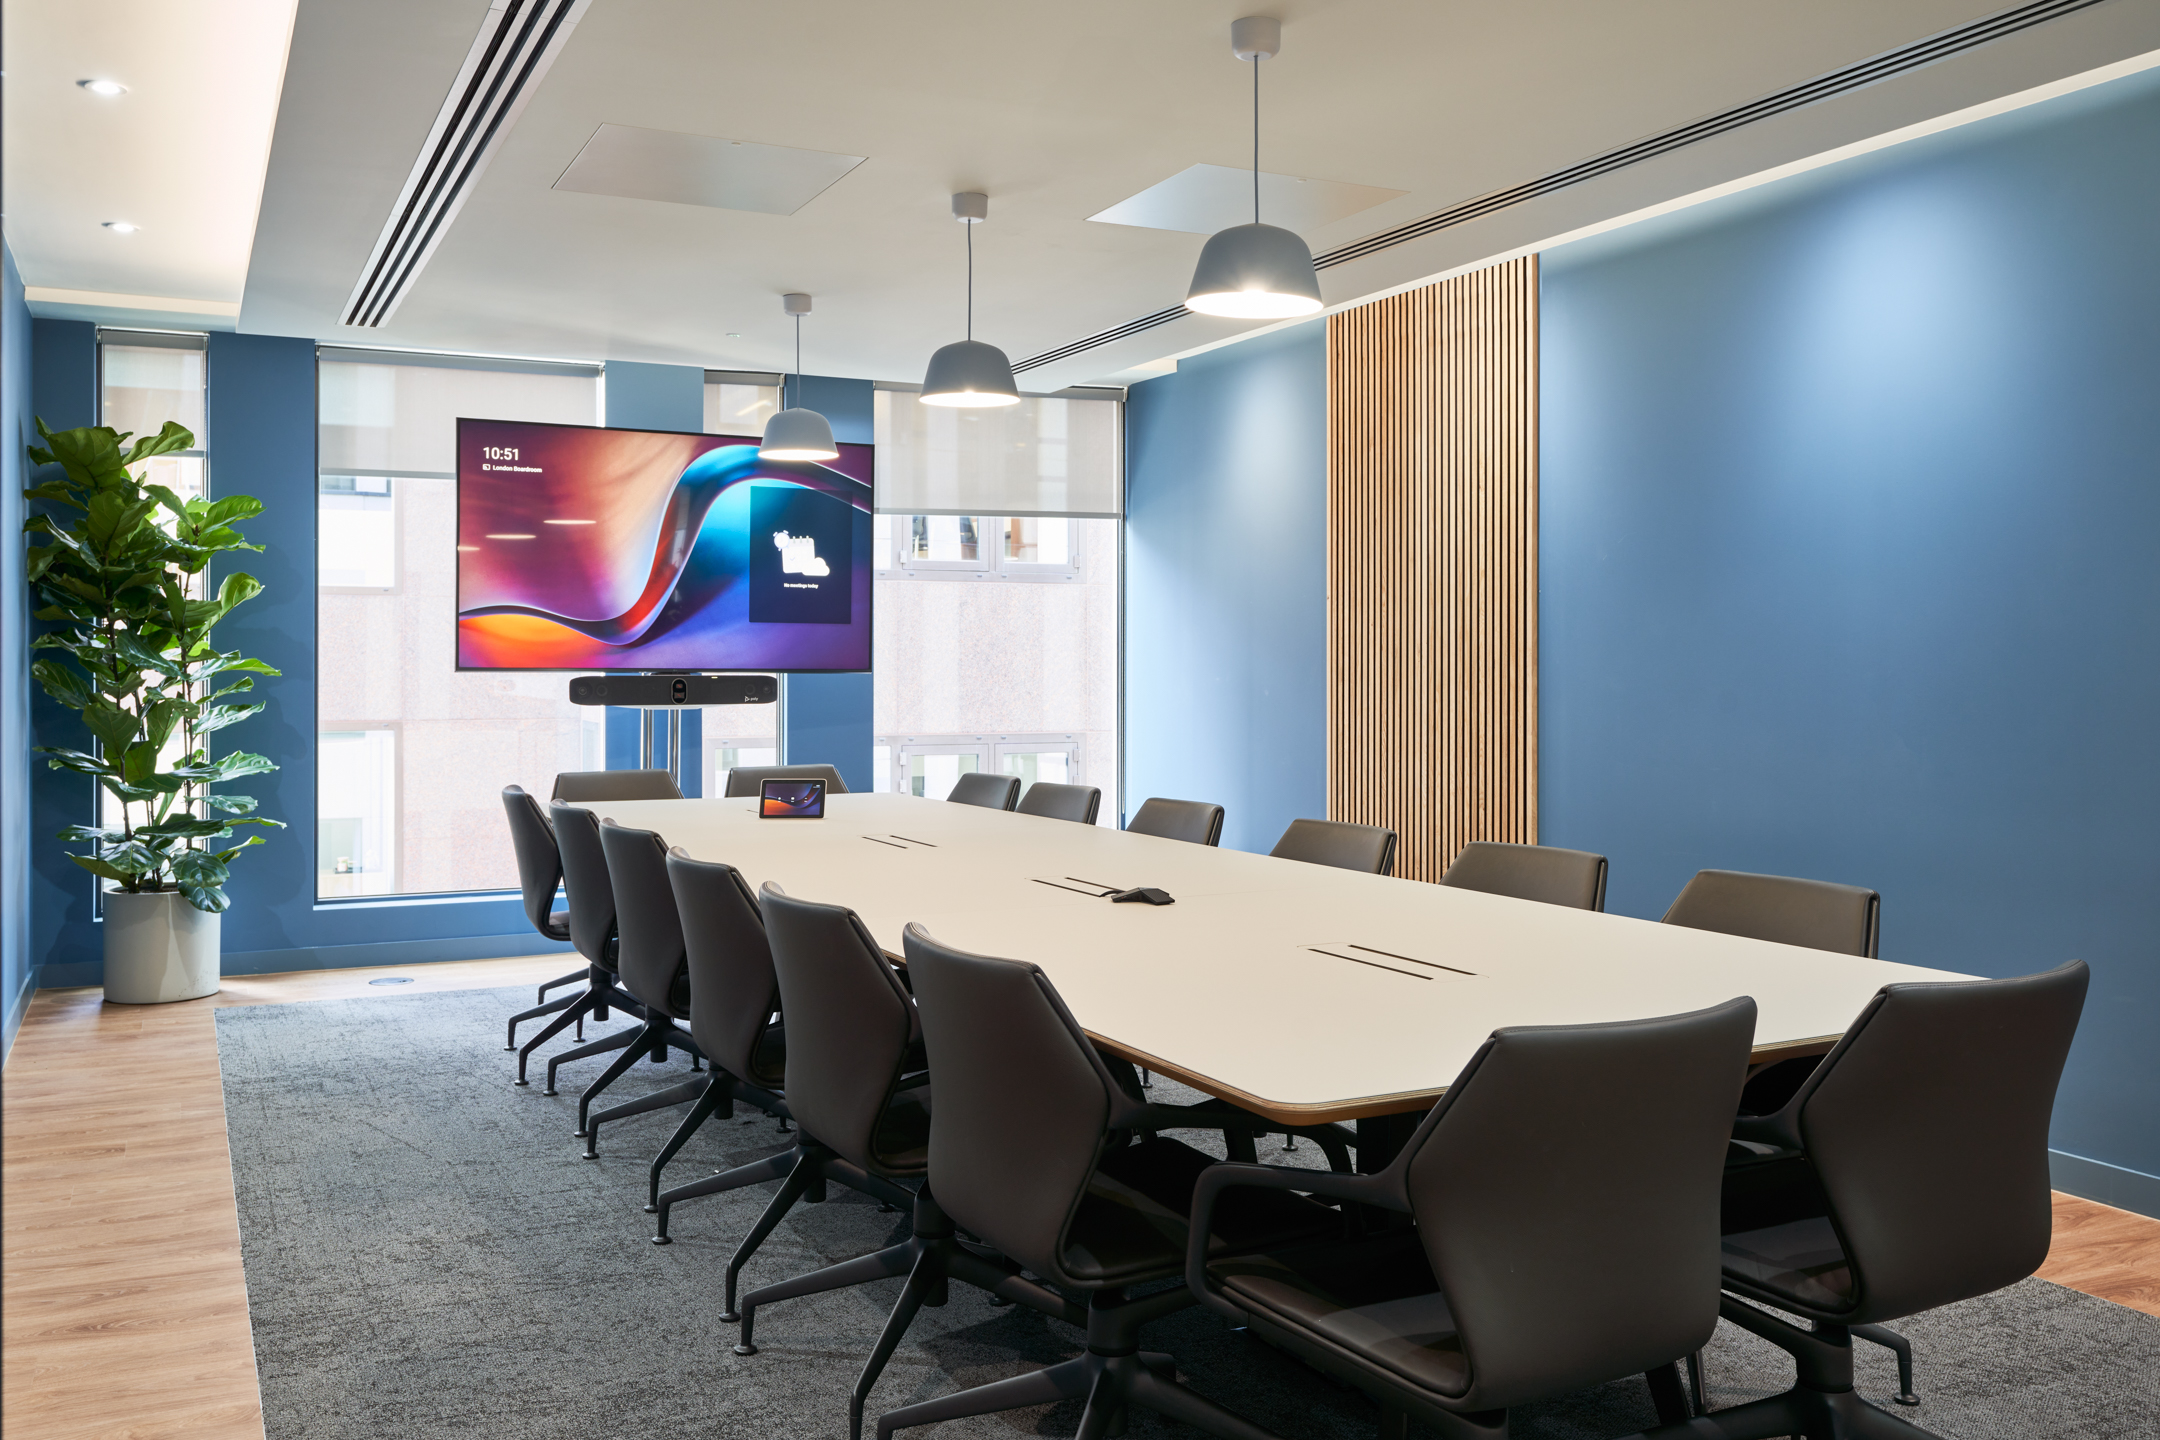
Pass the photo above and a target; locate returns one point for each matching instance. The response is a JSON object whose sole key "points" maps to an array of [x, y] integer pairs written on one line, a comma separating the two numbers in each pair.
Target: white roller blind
{"points": [[402, 419], [1040, 457]]}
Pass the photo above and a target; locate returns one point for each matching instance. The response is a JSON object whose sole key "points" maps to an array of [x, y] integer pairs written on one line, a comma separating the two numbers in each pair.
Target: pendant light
{"points": [[968, 372], [796, 433], [1256, 271]]}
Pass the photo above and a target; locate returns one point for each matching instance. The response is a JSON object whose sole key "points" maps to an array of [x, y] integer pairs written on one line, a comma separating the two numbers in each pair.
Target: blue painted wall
{"points": [[17, 968], [1851, 560], [828, 718], [1226, 584]]}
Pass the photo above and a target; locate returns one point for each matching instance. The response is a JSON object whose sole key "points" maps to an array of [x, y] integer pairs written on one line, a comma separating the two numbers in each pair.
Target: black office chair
{"points": [[539, 877], [576, 838], [1525, 1277], [654, 968], [855, 1082], [1061, 802], [588, 787], [980, 787], [1339, 843], [1195, 821], [734, 1018], [749, 779], [1574, 878], [1028, 1144], [1909, 1172]]}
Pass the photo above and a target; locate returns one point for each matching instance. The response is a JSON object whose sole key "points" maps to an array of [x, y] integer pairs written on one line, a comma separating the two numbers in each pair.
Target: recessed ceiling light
{"points": [[510, 537], [122, 227], [734, 334], [569, 522], [103, 87]]}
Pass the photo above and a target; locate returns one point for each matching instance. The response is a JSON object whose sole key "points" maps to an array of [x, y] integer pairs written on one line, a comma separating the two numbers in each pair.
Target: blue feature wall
{"points": [[1226, 584], [18, 970], [1851, 563], [828, 718]]}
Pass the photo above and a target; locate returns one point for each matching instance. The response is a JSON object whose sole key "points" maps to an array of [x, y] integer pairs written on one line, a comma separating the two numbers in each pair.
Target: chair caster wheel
{"points": [[1908, 1398], [526, 1082], [746, 1349], [662, 1240], [652, 1209], [1000, 1301], [729, 1317], [544, 1092], [590, 1155], [511, 1048]]}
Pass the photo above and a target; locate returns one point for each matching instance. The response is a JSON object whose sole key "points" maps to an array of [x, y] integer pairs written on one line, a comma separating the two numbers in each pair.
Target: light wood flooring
{"points": [[125, 1307]]}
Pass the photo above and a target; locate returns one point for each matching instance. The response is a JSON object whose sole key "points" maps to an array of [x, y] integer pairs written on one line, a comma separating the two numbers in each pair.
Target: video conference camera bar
{"points": [[658, 692]]}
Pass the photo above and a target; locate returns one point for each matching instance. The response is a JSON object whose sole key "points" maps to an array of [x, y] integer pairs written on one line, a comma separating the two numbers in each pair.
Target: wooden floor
{"points": [[125, 1307]]}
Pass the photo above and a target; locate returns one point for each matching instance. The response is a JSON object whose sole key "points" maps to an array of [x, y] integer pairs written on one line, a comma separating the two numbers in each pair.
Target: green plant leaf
{"points": [[217, 717], [188, 827], [98, 867], [172, 436], [63, 682], [239, 763], [209, 898], [232, 804]]}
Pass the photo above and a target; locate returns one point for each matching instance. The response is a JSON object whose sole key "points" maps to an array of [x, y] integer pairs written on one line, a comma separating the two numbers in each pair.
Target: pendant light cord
{"points": [[1256, 139], [970, 227], [798, 361]]}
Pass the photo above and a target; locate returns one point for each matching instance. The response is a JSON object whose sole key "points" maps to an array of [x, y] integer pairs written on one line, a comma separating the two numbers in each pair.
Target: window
{"points": [[738, 403], [997, 635], [412, 756]]}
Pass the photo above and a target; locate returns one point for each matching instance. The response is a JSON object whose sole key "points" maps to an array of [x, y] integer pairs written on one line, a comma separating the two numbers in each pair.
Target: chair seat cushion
{"points": [[558, 926], [768, 1058], [1374, 1297], [901, 1143], [1131, 1223], [1800, 1260]]}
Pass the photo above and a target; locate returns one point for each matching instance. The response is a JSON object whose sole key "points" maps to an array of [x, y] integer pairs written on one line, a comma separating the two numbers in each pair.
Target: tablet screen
{"points": [[792, 800]]}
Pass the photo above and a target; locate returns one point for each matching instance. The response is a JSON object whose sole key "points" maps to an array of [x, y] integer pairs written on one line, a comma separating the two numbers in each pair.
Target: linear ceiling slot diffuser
{"points": [[517, 43], [1837, 82]]}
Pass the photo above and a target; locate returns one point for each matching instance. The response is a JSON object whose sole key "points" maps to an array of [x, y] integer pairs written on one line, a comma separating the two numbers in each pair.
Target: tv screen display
{"points": [[582, 548]]}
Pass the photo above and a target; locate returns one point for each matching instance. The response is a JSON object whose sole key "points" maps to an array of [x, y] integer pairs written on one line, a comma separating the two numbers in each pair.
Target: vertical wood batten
{"points": [[1432, 565]]}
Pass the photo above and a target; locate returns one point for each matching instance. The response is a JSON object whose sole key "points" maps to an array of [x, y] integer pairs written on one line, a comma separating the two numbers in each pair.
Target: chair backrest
{"points": [[981, 787], [1023, 1100], [585, 877], [583, 787], [849, 1021], [539, 865], [1338, 843], [1928, 1128], [1575, 878], [732, 990], [1813, 913], [748, 779], [1558, 1280], [649, 948], [1061, 802], [1195, 821]]}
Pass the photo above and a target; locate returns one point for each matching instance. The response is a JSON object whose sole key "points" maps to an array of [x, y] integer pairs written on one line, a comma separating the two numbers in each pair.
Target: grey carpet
{"points": [[427, 1255]]}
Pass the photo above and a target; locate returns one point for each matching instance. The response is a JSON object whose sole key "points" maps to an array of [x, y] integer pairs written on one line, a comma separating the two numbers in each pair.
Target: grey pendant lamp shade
{"points": [[797, 434], [968, 373], [1256, 271]]}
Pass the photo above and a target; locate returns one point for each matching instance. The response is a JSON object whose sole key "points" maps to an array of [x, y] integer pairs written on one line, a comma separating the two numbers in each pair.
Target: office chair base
{"points": [[1115, 1373], [605, 1045], [548, 1008], [658, 1034]]}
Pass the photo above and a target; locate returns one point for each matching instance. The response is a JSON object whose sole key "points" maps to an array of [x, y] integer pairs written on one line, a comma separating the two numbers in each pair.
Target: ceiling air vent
{"points": [[517, 43], [1837, 82]]}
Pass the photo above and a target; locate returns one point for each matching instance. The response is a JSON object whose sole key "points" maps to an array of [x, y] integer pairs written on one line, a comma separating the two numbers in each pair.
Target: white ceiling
{"points": [[1057, 114]]}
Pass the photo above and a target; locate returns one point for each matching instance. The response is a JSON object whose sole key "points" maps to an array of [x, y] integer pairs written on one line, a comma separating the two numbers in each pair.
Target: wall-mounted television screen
{"points": [[581, 548]]}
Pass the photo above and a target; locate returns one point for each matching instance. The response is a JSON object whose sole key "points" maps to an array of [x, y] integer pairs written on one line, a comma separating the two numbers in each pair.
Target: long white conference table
{"points": [[1302, 993]]}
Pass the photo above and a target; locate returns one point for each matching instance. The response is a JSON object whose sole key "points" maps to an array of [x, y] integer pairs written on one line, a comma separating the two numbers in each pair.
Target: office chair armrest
{"points": [[1383, 1191], [1777, 1130]]}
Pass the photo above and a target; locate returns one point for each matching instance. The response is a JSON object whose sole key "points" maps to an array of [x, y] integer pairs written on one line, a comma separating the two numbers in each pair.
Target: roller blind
{"points": [[1041, 457], [399, 419]]}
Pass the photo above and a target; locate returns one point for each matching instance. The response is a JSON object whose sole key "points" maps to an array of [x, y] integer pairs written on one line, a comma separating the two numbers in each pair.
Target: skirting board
{"points": [[2131, 1190], [18, 1005], [331, 957]]}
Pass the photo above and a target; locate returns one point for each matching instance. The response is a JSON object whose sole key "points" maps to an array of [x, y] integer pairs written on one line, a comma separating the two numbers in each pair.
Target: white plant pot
{"points": [[159, 948]]}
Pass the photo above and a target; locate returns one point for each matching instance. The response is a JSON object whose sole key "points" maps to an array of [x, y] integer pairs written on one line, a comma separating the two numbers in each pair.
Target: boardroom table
{"points": [[1299, 992]]}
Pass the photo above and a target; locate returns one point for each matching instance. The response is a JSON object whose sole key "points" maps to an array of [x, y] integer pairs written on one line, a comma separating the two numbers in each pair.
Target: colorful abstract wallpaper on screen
{"points": [[582, 548]]}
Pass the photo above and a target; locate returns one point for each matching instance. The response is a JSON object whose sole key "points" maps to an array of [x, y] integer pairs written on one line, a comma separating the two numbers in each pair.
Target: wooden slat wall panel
{"points": [[1432, 565]]}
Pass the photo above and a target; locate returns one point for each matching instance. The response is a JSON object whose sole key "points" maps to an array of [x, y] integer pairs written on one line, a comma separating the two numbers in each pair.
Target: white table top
{"points": [[1302, 992]]}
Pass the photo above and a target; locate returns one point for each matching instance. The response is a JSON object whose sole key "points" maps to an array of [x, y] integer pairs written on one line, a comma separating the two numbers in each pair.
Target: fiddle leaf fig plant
{"points": [[118, 564]]}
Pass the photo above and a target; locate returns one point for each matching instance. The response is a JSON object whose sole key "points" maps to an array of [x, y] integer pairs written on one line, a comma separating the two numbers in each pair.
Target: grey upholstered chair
{"points": [[1196, 821], [1909, 1172], [1339, 843], [1027, 1145], [1811, 913], [858, 1091], [1574, 878], [575, 833], [981, 787], [734, 1018], [747, 779], [654, 968], [588, 787], [1061, 802], [539, 877], [1520, 1280]]}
